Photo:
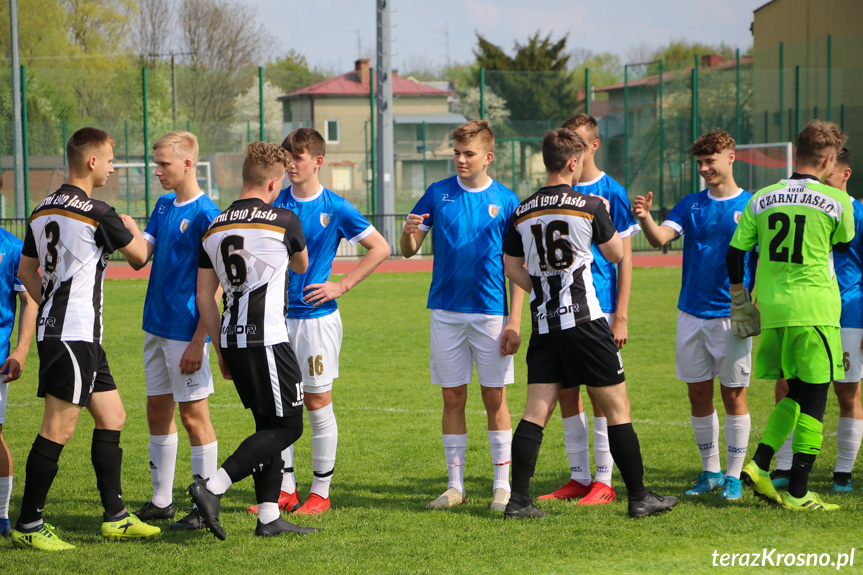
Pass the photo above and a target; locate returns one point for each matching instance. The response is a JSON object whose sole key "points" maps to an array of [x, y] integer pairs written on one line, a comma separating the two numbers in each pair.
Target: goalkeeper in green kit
{"points": [[796, 224]]}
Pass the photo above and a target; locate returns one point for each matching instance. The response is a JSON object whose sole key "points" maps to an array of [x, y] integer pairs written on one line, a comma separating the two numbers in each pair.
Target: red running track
{"points": [[122, 271]]}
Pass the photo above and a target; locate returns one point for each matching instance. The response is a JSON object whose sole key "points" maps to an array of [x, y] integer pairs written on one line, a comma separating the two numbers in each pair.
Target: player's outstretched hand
{"points": [[745, 317], [12, 368], [193, 358], [412, 224], [323, 293], [510, 341], [641, 206]]}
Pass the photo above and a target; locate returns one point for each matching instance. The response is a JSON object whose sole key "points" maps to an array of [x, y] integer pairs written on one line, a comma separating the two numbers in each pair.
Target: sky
{"points": [[333, 33]]}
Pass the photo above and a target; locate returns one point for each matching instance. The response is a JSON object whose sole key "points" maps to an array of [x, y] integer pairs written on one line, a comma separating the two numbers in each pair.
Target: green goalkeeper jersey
{"points": [[795, 224]]}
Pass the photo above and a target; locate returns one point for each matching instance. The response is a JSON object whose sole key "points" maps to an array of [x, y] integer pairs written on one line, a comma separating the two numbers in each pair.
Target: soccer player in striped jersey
{"points": [[69, 238], [798, 223], [13, 363], [248, 250], [468, 215], [849, 275], [570, 344], [314, 322], [706, 348], [176, 350], [613, 282]]}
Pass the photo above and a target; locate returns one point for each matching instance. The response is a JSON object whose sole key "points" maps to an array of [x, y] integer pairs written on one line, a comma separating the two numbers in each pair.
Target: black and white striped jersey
{"points": [[72, 234], [553, 231], [249, 245]]}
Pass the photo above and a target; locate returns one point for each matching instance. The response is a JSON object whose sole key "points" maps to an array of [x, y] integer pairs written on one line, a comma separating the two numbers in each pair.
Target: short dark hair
{"points": [[558, 146], [817, 140], [263, 161], [586, 121], [84, 143], [713, 143], [843, 158], [305, 140]]}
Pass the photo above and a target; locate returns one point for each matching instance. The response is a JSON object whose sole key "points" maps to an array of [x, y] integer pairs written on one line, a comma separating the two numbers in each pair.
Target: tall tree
{"points": [[291, 72], [153, 29]]}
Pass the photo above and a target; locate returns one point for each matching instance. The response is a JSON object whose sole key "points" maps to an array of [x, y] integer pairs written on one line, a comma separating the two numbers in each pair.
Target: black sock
{"points": [[107, 458], [626, 452], [763, 456], [260, 451], [798, 481], [41, 470], [525, 449]]}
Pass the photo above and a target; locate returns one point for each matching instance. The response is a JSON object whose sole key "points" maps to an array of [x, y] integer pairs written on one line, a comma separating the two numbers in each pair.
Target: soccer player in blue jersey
{"points": [[13, 363], [314, 322], [849, 274], [176, 349], [468, 215], [706, 348], [613, 283]]}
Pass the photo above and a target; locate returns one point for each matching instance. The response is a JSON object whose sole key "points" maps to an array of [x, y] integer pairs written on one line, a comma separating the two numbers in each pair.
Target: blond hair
{"points": [[475, 131], [263, 162], [184, 144]]}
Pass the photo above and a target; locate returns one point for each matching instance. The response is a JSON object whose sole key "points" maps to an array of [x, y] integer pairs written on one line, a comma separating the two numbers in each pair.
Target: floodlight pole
{"points": [[385, 148], [20, 210]]}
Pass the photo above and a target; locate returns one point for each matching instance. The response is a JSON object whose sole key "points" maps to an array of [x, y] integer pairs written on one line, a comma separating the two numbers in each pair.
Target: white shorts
{"points": [[852, 355], [162, 370], [317, 342], [706, 349], [459, 339], [4, 399]]}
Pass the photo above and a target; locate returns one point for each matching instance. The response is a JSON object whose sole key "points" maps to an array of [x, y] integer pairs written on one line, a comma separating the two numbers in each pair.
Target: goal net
{"points": [[760, 165], [126, 188]]}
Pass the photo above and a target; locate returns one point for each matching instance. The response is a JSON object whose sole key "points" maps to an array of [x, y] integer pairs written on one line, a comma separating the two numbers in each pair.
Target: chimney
{"points": [[711, 60], [361, 67]]}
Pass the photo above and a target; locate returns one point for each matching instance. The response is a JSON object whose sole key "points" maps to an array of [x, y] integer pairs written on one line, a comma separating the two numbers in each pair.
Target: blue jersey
{"points": [[175, 231], [10, 257], [604, 272], [849, 273], [326, 218], [707, 225], [468, 227]]}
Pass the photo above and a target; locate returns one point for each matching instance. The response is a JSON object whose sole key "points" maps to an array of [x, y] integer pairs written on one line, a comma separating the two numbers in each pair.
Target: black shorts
{"points": [[268, 378], [73, 371], [582, 355]]}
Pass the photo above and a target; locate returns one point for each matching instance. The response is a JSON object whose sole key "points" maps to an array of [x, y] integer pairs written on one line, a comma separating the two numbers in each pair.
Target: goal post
{"points": [[759, 165], [129, 185]]}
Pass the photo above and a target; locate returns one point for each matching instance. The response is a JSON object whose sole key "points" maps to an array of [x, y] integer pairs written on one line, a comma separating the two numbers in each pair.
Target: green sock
{"points": [[807, 435], [781, 422]]}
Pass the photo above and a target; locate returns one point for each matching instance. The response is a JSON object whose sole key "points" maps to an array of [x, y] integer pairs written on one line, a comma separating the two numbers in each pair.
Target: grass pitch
{"points": [[390, 464]]}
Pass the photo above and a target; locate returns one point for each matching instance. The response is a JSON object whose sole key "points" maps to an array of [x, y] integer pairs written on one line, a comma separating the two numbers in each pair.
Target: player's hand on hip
{"points": [[193, 358], [641, 206], [413, 222], [510, 341], [323, 293], [745, 317]]}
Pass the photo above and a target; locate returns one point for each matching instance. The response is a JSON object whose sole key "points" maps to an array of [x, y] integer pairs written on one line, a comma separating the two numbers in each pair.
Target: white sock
{"points": [[454, 448], [706, 431], [219, 482], [289, 484], [268, 511], [5, 495], [849, 433], [205, 460], [325, 438], [577, 447], [736, 440], [601, 451], [785, 454], [500, 443], [163, 460]]}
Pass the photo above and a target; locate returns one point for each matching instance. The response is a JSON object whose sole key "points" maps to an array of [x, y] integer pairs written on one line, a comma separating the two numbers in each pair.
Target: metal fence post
{"points": [[261, 97], [737, 112], [146, 143], [482, 93], [372, 117], [695, 123], [63, 144], [425, 161], [829, 77], [587, 91], [798, 118], [661, 146], [781, 86], [626, 125], [126, 140], [25, 141]]}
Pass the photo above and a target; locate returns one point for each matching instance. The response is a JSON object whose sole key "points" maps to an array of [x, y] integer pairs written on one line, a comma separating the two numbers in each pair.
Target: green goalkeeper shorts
{"points": [[810, 353]]}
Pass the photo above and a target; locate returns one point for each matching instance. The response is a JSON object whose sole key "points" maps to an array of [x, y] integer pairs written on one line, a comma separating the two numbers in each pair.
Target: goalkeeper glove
{"points": [[745, 318]]}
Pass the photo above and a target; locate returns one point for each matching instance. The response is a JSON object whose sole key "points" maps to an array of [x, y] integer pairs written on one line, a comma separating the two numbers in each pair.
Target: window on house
{"points": [[332, 131], [341, 178]]}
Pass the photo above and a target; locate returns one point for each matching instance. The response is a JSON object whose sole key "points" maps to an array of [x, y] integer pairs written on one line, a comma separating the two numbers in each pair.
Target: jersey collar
{"points": [[187, 202], [474, 190], [312, 198], [717, 199], [591, 182]]}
